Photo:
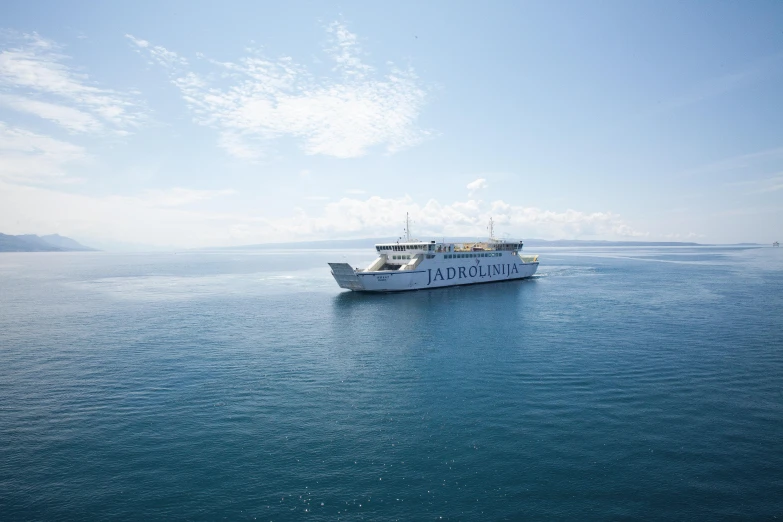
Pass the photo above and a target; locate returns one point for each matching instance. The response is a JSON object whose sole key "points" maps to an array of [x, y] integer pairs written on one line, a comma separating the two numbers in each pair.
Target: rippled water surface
{"points": [[626, 383]]}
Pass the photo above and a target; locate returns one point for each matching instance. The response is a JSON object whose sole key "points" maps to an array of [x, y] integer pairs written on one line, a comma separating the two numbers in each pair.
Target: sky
{"points": [[194, 124]]}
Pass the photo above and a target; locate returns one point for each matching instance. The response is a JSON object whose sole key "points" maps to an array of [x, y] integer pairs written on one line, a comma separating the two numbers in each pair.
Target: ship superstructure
{"points": [[416, 265]]}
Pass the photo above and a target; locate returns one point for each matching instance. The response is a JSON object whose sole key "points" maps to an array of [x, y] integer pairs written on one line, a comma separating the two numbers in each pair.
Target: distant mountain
{"points": [[33, 243], [603, 243], [66, 243]]}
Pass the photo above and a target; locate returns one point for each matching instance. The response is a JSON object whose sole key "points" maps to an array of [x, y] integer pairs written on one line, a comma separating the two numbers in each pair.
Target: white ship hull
{"points": [[437, 273]]}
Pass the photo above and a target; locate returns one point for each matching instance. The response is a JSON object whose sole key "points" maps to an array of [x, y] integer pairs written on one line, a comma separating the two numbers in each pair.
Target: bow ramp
{"points": [[346, 276]]}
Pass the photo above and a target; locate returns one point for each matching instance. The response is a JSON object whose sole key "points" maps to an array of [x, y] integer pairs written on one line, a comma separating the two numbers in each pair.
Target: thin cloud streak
{"points": [[742, 161], [28, 157], [723, 84], [30, 63], [73, 120]]}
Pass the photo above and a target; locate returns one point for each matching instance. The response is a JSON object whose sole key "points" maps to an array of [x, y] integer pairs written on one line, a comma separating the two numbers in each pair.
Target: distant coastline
{"points": [[370, 242], [58, 243], [34, 243]]}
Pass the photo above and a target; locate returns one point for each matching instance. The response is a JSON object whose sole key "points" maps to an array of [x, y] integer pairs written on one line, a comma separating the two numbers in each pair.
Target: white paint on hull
{"points": [[437, 273]]}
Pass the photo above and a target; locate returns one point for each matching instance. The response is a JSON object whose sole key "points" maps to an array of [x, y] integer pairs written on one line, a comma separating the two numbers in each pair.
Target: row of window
{"points": [[474, 254], [403, 248], [455, 256], [441, 248]]}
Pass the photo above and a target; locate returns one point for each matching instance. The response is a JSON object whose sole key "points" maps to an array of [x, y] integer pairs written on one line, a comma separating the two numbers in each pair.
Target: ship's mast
{"points": [[407, 228], [491, 228]]}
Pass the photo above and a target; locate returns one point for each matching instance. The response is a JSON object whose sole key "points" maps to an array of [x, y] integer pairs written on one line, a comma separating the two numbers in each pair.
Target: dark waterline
{"points": [[623, 383]]}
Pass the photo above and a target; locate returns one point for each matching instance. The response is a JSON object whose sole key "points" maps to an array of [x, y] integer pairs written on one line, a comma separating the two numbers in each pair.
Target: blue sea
{"points": [[625, 383]]}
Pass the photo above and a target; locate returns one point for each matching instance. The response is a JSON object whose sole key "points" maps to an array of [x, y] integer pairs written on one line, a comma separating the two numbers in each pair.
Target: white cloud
{"points": [[29, 157], [158, 54], [72, 119], [32, 67], [175, 197], [475, 186], [267, 99], [136, 220]]}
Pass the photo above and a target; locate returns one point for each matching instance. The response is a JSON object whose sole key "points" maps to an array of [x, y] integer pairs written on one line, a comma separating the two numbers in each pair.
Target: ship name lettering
{"points": [[462, 272]]}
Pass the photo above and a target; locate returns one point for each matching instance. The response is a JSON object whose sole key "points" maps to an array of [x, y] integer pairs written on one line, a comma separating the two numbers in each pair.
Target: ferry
{"points": [[420, 265]]}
